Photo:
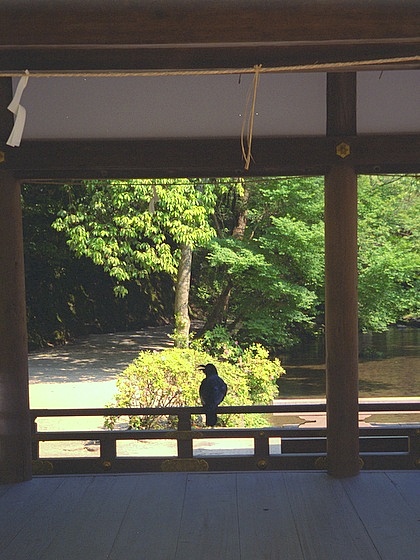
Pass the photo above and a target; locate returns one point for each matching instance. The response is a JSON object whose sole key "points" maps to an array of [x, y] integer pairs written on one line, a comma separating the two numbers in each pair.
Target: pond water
{"points": [[389, 366]]}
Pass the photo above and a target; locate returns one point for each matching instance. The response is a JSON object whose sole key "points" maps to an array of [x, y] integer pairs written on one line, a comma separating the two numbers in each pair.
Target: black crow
{"points": [[212, 391]]}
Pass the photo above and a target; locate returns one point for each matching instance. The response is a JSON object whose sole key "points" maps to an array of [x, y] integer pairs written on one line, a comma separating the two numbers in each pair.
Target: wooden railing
{"points": [[273, 448]]}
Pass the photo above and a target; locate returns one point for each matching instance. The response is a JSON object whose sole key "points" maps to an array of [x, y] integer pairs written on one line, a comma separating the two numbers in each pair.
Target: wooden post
{"points": [[15, 428], [341, 316], [185, 446]]}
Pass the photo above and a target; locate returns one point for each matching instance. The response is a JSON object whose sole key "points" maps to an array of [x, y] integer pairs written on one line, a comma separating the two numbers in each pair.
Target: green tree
{"points": [[263, 275], [389, 257], [138, 228], [68, 297], [266, 283]]}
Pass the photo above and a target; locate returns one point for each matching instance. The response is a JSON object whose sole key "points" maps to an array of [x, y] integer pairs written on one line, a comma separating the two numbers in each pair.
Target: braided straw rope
{"points": [[248, 121]]}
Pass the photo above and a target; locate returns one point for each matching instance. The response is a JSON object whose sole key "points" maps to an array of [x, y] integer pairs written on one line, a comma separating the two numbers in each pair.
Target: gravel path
{"points": [[83, 374]]}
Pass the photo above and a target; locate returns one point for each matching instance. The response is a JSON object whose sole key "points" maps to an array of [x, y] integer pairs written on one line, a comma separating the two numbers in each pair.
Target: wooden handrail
{"points": [[301, 448], [376, 406]]}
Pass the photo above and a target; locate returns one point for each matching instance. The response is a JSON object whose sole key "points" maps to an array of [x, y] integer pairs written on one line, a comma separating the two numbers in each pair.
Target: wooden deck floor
{"points": [[217, 516]]}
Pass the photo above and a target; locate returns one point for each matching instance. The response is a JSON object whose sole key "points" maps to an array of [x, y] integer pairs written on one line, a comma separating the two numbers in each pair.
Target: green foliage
{"points": [[68, 297], [389, 257], [172, 378], [275, 269], [274, 273], [261, 372], [266, 262], [219, 342], [134, 228]]}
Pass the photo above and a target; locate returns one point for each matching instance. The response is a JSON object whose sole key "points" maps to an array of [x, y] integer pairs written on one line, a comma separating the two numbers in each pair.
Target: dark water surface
{"points": [[389, 366]]}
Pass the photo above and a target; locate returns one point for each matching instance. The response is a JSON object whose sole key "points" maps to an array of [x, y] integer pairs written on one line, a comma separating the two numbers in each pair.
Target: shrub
{"points": [[261, 372], [172, 378], [219, 342]]}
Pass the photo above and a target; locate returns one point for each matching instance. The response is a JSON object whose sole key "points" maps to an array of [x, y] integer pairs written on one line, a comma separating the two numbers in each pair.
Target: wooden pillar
{"points": [[15, 432], [341, 312]]}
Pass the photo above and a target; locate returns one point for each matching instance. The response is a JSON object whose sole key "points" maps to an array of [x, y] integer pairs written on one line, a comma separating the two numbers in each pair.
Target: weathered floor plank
{"points": [[209, 525], [388, 519], [408, 485], [150, 525], [19, 506], [91, 527], [201, 516], [5, 488], [266, 523], [327, 525]]}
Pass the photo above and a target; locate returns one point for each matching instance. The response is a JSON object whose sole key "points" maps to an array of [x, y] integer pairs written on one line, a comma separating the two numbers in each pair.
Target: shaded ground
{"points": [[95, 358], [82, 374]]}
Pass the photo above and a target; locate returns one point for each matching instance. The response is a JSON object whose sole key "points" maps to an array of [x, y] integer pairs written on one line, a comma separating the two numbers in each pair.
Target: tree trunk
{"points": [[219, 311], [240, 213], [182, 292]]}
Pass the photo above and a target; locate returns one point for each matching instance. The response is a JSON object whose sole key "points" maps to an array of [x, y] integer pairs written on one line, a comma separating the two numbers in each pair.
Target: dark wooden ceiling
{"points": [[156, 34], [158, 22]]}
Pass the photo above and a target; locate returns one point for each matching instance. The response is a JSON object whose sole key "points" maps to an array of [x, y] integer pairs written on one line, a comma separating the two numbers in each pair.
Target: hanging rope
{"points": [[248, 120], [249, 115]]}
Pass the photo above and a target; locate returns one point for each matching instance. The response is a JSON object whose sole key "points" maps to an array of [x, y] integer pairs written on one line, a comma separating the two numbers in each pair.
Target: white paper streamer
{"points": [[20, 113]]}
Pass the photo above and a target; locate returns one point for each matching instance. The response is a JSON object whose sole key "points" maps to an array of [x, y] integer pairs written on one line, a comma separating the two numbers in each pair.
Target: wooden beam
{"points": [[194, 22], [341, 311], [341, 104], [49, 159], [136, 59]]}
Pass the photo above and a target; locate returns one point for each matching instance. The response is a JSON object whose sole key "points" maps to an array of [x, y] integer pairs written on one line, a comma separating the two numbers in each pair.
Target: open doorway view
{"points": [[104, 261]]}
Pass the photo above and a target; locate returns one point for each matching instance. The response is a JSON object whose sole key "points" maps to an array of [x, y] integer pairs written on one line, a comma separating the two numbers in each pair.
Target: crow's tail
{"points": [[211, 418]]}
